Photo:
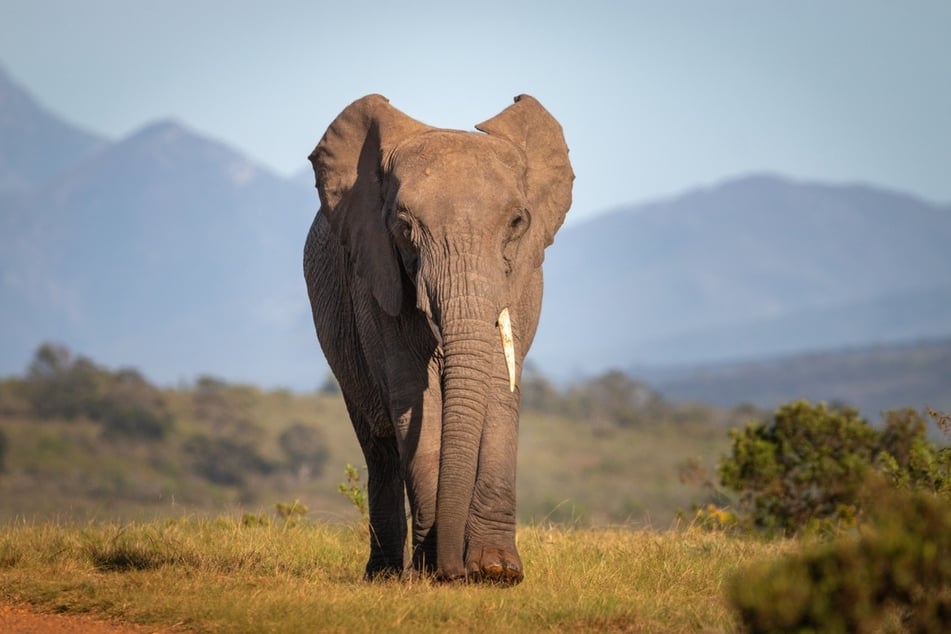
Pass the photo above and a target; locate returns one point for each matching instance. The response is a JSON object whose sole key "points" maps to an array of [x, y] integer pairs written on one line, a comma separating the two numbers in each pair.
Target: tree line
{"points": [[221, 448]]}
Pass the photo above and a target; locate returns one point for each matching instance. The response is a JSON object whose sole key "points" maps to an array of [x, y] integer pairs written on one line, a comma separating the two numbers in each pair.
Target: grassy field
{"points": [[232, 575], [124, 526]]}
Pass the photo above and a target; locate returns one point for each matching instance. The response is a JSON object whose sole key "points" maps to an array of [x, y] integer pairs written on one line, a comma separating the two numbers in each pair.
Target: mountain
{"points": [[36, 145], [871, 378], [165, 249], [170, 251], [754, 267]]}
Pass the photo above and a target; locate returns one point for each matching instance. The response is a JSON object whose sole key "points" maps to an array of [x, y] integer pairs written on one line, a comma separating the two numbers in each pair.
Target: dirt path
{"points": [[18, 619]]}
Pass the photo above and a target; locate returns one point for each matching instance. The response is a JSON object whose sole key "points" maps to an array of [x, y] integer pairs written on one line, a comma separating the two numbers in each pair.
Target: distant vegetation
{"points": [[76, 438], [122, 402], [83, 439]]}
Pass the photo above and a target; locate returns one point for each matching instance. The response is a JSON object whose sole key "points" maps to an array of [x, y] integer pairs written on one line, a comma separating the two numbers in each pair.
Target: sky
{"points": [[655, 97]]}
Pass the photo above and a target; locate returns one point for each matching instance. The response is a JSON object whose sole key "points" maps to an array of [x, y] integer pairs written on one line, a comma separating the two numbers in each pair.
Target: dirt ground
{"points": [[18, 619]]}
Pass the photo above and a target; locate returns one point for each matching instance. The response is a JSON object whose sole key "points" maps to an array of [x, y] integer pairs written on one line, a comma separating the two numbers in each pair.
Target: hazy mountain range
{"points": [[171, 252], [754, 267]]}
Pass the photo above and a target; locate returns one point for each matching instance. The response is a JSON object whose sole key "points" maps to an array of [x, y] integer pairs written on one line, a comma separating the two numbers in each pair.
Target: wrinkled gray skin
{"points": [[423, 236]]}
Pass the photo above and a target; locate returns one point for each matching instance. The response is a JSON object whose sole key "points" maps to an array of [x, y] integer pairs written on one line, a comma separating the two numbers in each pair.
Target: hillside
{"points": [[874, 379], [78, 439]]}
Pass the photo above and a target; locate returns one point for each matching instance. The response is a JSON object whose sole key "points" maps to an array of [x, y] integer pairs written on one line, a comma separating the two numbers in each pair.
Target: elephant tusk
{"points": [[508, 345]]}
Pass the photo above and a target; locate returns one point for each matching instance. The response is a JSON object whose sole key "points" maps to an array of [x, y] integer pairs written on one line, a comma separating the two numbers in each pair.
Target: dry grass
{"points": [[221, 575]]}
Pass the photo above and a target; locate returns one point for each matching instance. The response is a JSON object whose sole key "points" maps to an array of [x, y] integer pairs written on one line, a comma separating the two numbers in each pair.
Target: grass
{"points": [[224, 575]]}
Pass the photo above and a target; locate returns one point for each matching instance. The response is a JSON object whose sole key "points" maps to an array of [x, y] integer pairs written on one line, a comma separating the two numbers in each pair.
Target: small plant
{"points": [[256, 519], [291, 512], [714, 518], [355, 491]]}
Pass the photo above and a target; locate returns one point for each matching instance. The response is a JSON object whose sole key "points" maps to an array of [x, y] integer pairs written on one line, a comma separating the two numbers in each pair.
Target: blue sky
{"points": [[655, 97]]}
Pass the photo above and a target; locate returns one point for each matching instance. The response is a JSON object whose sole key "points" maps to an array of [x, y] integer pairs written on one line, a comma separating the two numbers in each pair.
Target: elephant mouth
{"points": [[508, 345]]}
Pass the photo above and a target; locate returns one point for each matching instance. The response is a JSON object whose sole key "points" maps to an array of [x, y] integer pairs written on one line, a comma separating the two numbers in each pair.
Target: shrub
{"points": [[126, 405], [909, 459], [224, 461], [356, 492], [807, 466], [899, 568], [305, 448], [291, 513], [224, 408], [133, 408], [65, 388], [613, 398]]}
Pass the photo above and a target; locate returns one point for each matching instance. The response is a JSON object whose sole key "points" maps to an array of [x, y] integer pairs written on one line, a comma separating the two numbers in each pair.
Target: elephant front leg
{"points": [[491, 553], [385, 497], [420, 432], [421, 489]]}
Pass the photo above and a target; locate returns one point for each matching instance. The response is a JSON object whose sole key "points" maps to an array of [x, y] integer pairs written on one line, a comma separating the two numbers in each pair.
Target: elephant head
{"points": [[452, 226]]}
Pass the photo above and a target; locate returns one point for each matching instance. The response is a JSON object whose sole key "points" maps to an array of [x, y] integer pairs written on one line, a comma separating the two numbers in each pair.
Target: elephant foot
{"points": [[381, 571], [424, 560], [495, 565]]}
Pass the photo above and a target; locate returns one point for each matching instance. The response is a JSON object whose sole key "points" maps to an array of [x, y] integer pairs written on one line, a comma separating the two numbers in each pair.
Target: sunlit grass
{"points": [[225, 575]]}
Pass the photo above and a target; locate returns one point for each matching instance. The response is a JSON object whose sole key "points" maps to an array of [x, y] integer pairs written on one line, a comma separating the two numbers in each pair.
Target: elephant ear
{"points": [[348, 165], [549, 177]]}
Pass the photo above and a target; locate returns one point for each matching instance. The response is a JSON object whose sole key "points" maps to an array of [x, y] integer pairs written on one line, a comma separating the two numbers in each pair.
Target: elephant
{"points": [[423, 270]]}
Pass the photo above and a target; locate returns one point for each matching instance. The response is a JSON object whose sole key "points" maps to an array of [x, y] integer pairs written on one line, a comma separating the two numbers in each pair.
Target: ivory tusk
{"points": [[508, 345]]}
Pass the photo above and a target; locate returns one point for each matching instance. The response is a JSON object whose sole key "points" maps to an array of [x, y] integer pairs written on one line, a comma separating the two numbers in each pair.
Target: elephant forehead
{"points": [[448, 151], [445, 166]]}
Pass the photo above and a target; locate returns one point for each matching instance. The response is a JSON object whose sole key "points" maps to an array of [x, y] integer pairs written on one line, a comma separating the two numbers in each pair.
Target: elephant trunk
{"points": [[471, 343]]}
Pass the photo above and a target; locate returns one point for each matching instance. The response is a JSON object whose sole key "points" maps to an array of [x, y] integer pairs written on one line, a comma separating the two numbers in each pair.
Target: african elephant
{"points": [[423, 267]]}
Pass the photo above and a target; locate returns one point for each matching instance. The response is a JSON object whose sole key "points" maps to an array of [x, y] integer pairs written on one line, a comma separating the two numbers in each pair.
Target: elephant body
{"points": [[425, 242]]}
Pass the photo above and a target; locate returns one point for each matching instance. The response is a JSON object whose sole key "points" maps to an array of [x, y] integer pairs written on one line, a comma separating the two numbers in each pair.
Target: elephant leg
{"points": [[420, 431], [424, 472], [387, 509], [491, 553], [386, 500]]}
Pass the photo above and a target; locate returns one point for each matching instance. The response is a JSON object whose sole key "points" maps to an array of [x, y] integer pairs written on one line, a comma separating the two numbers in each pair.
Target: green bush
{"points": [[61, 387], [613, 398], [123, 402], [224, 461], [806, 467], [133, 408], [897, 569], [226, 408], [305, 448]]}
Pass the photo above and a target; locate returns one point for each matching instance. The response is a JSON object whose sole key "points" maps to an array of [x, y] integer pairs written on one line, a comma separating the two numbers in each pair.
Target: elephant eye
{"points": [[518, 223], [403, 227]]}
